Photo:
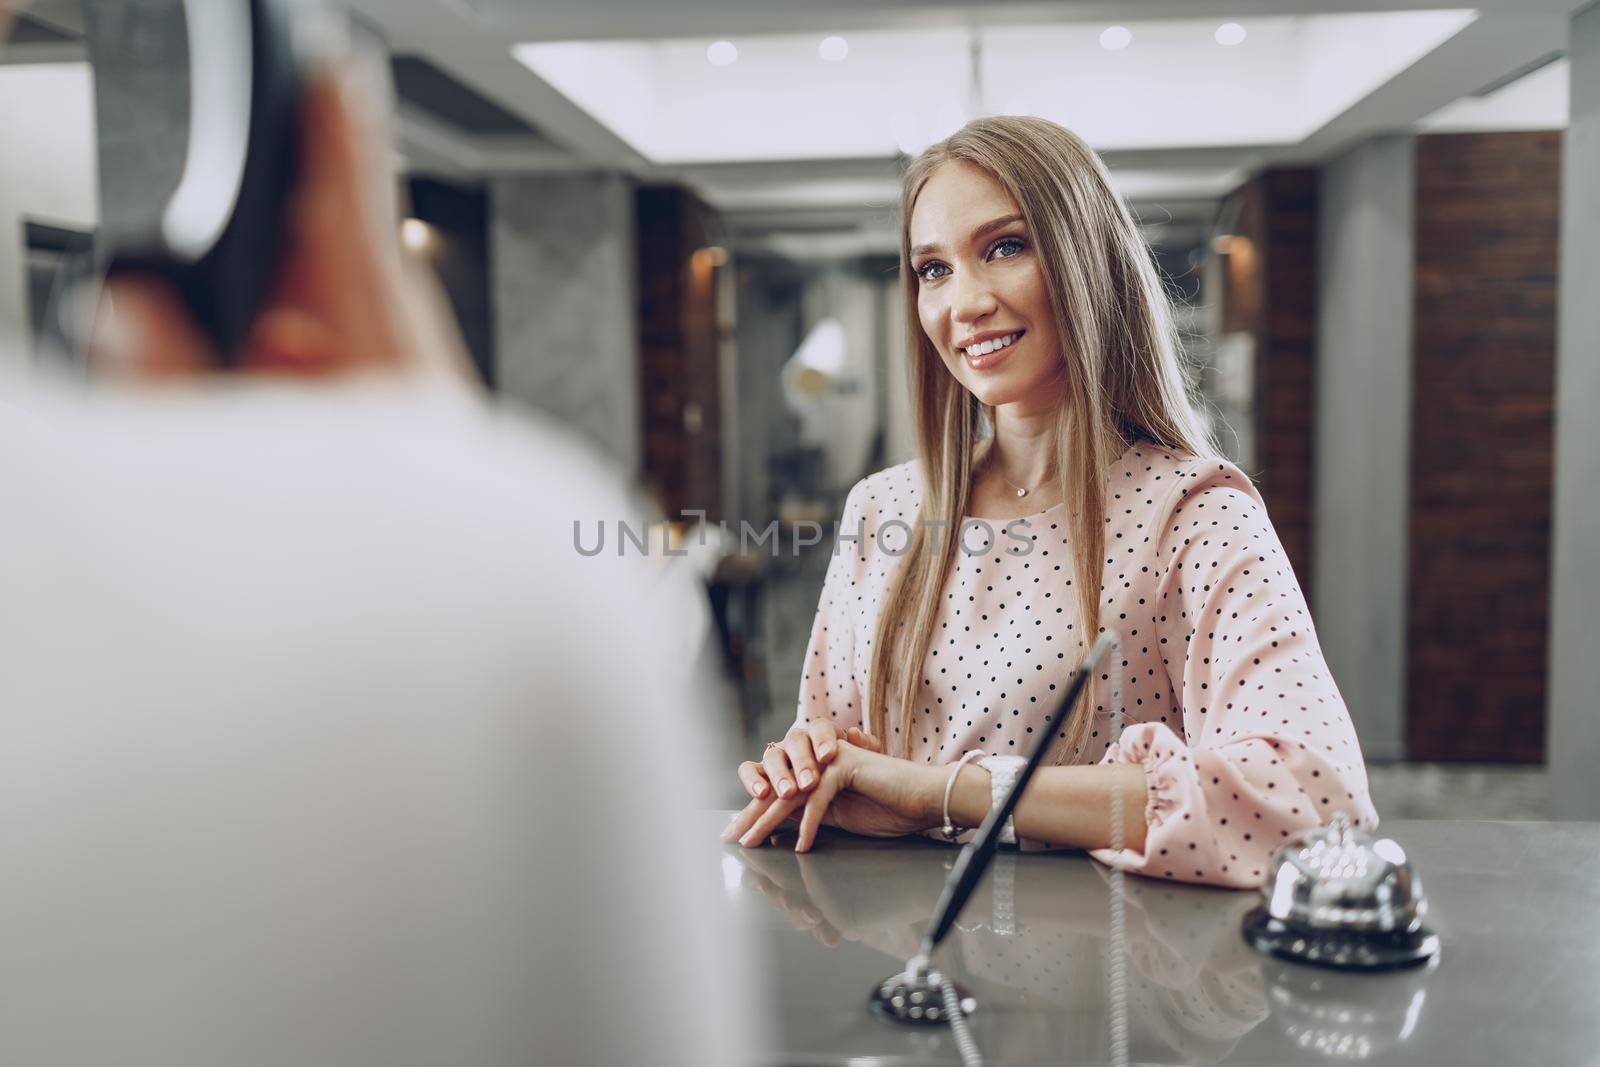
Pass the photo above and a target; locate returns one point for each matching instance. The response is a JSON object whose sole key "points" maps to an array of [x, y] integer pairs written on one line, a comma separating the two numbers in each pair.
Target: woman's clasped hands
{"points": [[819, 778]]}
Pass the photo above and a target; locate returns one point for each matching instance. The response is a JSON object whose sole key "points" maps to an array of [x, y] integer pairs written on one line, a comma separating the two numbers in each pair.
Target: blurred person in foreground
{"points": [[314, 727]]}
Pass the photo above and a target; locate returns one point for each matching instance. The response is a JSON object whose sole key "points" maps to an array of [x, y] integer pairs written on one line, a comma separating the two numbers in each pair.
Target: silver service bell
{"points": [[1336, 896]]}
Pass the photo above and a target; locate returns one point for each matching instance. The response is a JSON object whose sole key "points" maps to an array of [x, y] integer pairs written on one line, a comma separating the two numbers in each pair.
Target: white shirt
{"points": [[321, 744]]}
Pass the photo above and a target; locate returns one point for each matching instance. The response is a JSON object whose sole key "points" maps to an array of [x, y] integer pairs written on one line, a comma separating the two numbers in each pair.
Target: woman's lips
{"points": [[993, 359]]}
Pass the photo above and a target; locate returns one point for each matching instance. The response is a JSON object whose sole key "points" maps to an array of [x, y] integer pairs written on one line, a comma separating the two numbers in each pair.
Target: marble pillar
{"points": [[561, 253]]}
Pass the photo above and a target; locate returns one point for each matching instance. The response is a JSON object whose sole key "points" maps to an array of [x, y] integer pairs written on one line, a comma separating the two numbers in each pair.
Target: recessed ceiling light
{"points": [[1116, 37], [1230, 33], [833, 49], [722, 53]]}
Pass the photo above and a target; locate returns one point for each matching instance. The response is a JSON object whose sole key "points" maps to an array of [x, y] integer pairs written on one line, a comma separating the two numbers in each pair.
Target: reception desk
{"points": [[1072, 964]]}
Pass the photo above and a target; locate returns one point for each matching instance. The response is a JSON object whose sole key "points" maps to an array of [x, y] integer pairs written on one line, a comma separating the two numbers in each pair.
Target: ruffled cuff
{"points": [[1170, 784]]}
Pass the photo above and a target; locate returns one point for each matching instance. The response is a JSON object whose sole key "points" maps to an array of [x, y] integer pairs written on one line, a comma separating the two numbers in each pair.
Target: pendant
{"points": [[1022, 492]]}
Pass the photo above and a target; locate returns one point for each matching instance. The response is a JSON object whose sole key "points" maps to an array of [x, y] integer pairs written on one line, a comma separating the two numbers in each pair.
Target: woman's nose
{"points": [[974, 298]]}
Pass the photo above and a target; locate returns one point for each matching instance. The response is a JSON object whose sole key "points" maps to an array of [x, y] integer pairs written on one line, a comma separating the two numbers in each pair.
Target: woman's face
{"points": [[981, 294]]}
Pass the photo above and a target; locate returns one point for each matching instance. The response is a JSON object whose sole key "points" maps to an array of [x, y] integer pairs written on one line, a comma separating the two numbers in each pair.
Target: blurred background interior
{"points": [[671, 226]]}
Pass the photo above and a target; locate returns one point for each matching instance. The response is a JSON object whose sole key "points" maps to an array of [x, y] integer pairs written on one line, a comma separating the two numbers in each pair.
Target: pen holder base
{"points": [[915, 999]]}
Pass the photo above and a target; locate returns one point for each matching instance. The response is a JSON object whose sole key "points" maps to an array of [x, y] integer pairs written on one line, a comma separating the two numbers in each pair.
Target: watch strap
{"points": [[1003, 772]]}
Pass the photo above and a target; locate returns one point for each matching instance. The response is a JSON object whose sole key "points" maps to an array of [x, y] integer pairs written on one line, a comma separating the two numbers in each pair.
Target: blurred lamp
{"points": [[708, 257], [816, 366]]}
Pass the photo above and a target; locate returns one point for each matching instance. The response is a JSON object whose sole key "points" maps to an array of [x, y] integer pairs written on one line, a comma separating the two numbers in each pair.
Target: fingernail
{"points": [[806, 778], [761, 789], [785, 787], [824, 750], [748, 839]]}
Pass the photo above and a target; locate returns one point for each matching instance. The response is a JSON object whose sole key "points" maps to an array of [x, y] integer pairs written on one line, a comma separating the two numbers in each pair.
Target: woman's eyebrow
{"points": [[988, 227]]}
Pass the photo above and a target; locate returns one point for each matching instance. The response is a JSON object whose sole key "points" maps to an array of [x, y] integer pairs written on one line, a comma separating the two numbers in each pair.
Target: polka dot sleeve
{"points": [[1267, 746], [828, 687]]}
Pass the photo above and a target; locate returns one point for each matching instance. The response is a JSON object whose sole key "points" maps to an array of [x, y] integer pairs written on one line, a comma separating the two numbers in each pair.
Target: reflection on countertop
{"points": [[1034, 945], [1036, 948]]}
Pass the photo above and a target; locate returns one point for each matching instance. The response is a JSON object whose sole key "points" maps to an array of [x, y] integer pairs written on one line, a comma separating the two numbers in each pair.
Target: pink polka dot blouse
{"points": [[1218, 686]]}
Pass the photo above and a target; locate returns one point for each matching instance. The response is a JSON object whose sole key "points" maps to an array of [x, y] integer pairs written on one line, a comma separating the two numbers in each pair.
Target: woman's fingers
{"points": [[824, 738], [826, 935], [745, 819], [754, 779], [769, 821], [862, 739], [797, 744], [775, 761], [816, 807]]}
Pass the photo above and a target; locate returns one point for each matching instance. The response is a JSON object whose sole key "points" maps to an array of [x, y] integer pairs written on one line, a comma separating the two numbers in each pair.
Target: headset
{"points": [[220, 237]]}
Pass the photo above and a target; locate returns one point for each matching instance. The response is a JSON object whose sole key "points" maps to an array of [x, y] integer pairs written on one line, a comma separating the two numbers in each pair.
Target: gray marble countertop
{"points": [[1516, 906]]}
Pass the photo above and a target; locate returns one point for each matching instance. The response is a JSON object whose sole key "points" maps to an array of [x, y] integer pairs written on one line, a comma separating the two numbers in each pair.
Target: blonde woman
{"points": [[1065, 487]]}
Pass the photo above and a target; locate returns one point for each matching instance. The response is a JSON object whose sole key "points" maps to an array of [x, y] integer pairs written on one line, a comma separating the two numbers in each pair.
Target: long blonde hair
{"points": [[1123, 383]]}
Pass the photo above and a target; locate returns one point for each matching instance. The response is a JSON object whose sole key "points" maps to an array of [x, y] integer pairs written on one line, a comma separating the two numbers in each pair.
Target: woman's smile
{"points": [[989, 353]]}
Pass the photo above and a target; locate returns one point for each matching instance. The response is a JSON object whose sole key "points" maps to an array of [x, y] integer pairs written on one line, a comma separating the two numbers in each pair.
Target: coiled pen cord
{"points": [[965, 1045], [1117, 946]]}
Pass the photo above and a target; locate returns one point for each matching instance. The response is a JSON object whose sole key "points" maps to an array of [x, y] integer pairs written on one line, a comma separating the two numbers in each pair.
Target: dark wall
{"points": [[1487, 219], [459, 253]]}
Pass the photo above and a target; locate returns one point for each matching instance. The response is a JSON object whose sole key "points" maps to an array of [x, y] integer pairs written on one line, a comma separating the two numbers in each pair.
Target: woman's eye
{"points": [[1007, 247], [930, 272]]}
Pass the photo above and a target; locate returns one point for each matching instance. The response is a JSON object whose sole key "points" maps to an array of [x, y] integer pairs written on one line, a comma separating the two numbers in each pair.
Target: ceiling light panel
{"points": [[1172, 87], [781, 100]]}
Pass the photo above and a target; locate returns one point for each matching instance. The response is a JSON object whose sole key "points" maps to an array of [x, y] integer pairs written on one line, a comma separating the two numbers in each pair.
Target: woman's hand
{"points": [[796, 762], [859, 790]]}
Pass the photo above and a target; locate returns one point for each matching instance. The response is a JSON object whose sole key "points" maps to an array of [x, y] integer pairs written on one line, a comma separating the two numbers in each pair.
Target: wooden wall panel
{"points": [[1271, 290], [1487, 219], [678, 352], [1284, 402]]}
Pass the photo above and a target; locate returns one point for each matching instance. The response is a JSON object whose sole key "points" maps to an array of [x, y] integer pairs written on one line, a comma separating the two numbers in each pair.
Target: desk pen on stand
{"points": [[919, 994]]}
